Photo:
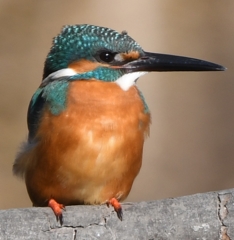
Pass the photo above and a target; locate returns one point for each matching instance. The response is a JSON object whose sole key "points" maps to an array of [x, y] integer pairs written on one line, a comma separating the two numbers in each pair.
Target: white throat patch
{"points": [[129, 79]]}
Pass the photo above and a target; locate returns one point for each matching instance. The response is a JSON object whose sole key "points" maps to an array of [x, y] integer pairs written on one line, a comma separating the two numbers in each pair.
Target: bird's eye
{"points": [[107, 56]]}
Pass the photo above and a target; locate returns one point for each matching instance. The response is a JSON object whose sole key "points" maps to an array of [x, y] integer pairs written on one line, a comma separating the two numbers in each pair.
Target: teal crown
{"points": [[78, 42]]}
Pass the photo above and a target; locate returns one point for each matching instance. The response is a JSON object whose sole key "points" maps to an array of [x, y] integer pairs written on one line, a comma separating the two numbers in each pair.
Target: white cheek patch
{"points": [[66, 72], [129, 79], [119, 57]]}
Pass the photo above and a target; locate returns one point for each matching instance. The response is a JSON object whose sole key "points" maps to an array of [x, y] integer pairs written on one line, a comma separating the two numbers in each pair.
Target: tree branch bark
{"points": [[200, 216]]}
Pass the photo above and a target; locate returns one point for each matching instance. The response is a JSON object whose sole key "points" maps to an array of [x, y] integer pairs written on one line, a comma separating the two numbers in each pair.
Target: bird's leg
{"points": [[117, 206], [57, 209]]}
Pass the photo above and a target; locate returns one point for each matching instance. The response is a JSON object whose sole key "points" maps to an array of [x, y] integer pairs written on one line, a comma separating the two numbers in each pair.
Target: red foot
{"points": [[117, 206], [57, 208]]}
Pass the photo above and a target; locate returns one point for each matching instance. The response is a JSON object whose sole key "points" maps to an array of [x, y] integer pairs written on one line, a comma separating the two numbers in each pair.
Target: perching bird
{"points": [[88, 121]]}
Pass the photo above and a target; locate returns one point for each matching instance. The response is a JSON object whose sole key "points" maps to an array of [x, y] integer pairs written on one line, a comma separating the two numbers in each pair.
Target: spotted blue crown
{"points": [[78, 42]]}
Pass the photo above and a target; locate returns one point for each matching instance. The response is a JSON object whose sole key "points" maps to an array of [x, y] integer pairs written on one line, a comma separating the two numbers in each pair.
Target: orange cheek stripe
{"points": [[84, 65], [130, 56]]}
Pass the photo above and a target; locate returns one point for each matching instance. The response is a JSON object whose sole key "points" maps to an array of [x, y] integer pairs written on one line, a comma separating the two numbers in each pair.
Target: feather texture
{"points": [[91, 151]]}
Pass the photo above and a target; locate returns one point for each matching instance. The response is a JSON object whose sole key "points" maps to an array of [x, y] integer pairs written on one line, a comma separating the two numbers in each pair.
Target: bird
{"points": [[87, 121]]}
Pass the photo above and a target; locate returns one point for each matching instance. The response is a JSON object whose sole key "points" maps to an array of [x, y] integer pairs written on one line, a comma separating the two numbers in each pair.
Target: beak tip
{"points": [[223, 69], [219, 68]]}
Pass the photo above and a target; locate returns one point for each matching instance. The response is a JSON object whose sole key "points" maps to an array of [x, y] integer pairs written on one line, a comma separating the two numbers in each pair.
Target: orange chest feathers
{"points": [[93, 149]]}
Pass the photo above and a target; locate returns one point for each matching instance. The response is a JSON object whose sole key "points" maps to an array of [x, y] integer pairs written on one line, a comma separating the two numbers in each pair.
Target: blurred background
{"points": [[191, 144]]}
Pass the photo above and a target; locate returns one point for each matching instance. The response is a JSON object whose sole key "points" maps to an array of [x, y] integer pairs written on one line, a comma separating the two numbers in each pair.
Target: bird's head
{"points": [[92, 52]]}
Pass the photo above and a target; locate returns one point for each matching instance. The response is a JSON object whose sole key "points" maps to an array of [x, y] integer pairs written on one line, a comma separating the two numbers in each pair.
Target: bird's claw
{"points": [[117, 207], [57, 209]]}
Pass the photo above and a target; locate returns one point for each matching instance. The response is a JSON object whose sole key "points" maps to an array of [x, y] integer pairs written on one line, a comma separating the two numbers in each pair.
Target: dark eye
{"points": [[107, 56]]}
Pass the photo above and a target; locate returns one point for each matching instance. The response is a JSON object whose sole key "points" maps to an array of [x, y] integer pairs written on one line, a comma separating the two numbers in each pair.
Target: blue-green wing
{"points": [[54, 94], [34, 112]]}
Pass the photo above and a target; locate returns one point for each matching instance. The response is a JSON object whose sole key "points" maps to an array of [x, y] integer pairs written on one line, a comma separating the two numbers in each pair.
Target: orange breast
{"points": [[92, 151]]}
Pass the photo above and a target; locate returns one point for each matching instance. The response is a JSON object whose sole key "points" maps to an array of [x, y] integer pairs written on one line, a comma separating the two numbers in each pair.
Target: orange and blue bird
{"points": [[87, 121]]}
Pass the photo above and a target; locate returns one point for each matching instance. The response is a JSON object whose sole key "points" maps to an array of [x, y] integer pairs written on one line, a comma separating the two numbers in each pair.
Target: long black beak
{"points": [[165, 63]]}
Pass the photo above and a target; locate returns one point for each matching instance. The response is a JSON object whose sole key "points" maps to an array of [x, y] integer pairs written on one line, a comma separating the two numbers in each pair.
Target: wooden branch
{"points": [[200, 216]]}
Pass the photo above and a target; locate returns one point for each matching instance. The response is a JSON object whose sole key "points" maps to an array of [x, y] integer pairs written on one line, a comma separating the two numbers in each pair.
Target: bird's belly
{"points": [[91, 152], [100, 168]]}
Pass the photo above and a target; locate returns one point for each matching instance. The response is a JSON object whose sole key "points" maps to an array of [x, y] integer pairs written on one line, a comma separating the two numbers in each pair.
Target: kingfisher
{"points": [[87, 121]]}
